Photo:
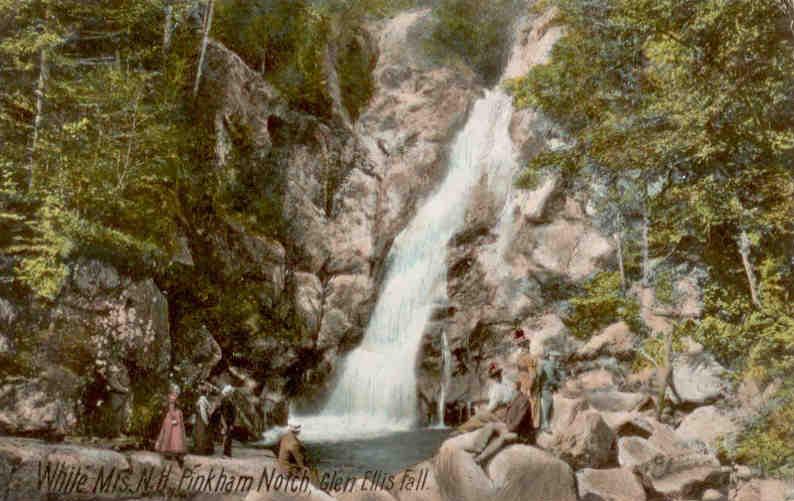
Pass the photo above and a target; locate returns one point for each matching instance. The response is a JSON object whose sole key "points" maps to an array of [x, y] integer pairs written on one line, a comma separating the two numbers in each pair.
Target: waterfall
{"points": [[376, 389], [446, 375]]}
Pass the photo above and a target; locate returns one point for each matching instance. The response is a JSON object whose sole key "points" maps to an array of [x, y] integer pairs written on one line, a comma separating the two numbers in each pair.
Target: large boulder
{"points": [[616, 401], [33, 407], [763, 490], [570, 249], [684, 475], [548, 333], [517, 472], [617, 484], [708, 424], [698, 378], [592, 380], [633, 451], [528, 474], [429, 490], [587, 442], [627, 424]]}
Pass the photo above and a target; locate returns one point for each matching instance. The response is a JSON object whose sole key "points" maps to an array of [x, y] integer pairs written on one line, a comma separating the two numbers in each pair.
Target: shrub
{"points": [[601, 303], [475, 31], [285, 40]]}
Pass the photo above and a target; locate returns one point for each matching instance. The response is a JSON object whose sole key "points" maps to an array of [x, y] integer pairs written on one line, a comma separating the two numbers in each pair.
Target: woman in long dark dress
{"points": [[202, 431]]}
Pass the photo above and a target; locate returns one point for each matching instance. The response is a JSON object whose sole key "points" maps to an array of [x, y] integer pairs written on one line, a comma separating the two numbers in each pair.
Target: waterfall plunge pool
{"points": [[388, 453]]}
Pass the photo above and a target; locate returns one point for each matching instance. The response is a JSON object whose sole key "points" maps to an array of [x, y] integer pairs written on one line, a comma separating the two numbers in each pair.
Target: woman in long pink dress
{"points": [[171, 441]]}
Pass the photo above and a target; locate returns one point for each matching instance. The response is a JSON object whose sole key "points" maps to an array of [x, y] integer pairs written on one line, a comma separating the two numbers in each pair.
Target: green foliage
{"points": [[653, 348], [476, 31], [601, 303], [769, 442], [664, 288], [42, 267], [690, 104], [148, 408], [289, 41]]}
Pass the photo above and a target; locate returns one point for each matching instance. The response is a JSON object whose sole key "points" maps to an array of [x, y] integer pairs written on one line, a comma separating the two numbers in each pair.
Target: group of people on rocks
{"points": [[211, 420], [517, 408], [172, 442]]}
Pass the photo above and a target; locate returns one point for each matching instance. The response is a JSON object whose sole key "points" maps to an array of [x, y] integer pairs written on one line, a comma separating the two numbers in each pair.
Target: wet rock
{"points": [[617, 484], [309, 300]]}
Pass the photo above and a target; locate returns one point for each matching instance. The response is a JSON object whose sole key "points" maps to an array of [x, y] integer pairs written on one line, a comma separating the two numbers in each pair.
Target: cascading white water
{"points": [[376, 390], [446, 375]]}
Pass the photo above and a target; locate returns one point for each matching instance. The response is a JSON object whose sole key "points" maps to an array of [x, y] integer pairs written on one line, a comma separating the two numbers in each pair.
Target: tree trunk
{"points": [[44, 70], [646, 271], [665, 377], [787, 6], [621, 266], [204, 41], [168, 26], [744, 250]]}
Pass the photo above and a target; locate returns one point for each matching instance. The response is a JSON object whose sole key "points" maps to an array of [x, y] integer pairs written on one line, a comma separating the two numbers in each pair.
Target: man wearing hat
{"points": [[229, 416]]}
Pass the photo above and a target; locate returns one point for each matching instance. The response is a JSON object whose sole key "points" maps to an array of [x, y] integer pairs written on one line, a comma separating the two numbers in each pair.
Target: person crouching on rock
{"points": [[228, 417], [492, 432], [290, 449], [202, 431], [171, 440]]}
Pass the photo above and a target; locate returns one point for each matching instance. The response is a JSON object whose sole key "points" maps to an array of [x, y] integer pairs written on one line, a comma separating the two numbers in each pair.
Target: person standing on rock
{"points": [[171, 440], [202, 433], [228, 417], [551, 377], [523, 413]]}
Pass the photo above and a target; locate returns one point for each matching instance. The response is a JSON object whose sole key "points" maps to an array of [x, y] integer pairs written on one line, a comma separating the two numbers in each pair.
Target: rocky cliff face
{"points": [[270, 308], [266, 309]]}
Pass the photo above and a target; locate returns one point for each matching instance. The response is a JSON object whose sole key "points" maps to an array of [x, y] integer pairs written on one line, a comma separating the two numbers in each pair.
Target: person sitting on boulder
{"points": [[500, 394], [492, 432]]}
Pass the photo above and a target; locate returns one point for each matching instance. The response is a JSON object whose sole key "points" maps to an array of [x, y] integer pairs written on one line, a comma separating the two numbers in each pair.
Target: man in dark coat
{"points": [[228, 415]]}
